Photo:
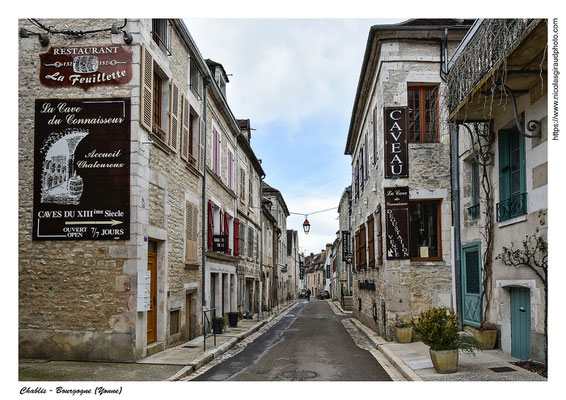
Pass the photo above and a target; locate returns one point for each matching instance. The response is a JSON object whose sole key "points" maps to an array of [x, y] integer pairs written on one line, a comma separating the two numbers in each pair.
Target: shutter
{"points": [[504, 165], [146, 92], [371, 250], [379, 237], [210, 223], [174, 116], [236, 237], [185, 121], [191, 233], [375, 135], [201, 126]]}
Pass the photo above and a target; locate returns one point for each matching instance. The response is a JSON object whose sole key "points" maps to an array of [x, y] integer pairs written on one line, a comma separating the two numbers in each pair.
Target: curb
{"points": [[224, 347], [381, 345]]}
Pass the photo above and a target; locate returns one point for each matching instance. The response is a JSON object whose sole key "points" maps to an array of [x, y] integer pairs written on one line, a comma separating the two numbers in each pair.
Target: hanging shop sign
{"points": [[397, 222], [396, 143], [82, 169], [366, 285], [346, 253], [86, 66]]}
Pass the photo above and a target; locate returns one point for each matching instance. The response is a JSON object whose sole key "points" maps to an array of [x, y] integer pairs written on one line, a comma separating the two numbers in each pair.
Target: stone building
{"points": [[401, 194], [344, 247], [498, 113], [293, 260], [269, 224], [132, 287], [279, 211], [113, 224]]}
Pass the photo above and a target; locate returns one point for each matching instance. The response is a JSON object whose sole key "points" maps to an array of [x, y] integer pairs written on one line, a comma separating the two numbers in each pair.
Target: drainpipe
{"points": [[206, 82], [457, 240]]}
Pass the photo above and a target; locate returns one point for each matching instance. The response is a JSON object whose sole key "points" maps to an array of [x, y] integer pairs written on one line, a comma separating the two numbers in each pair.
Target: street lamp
{"points": [[306, 226]]}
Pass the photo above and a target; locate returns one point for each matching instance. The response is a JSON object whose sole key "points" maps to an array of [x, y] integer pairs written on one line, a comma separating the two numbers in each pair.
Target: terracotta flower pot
{"points": [[404, 335], [487, 338], [444, 361]]}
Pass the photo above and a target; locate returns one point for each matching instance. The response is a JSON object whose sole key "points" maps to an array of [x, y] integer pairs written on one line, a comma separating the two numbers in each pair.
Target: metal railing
{"points": [[512, 207], [474, 211], [207, 324]]}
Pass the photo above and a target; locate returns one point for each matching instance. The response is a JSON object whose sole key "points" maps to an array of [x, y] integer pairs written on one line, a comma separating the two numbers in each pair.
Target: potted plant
{"points": [[233, 319], [403, 332], [486, 334], [218, 324], [438, 328]]}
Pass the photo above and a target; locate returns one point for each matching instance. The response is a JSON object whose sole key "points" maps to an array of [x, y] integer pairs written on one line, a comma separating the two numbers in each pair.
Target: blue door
{"points": [[520, 323], [471, 284]]}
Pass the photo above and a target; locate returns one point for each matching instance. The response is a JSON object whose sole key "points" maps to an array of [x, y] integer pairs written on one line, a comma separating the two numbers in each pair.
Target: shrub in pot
{"points": [[486, 335], [403, 332], [218, 324], [438, 327]]}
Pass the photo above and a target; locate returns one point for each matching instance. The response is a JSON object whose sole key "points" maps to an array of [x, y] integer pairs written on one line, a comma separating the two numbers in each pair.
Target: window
{"points": [[174, 322], [157, 93], [424, 222], [356, 180], [512, 187], [374, 130], [215, 151], [242, 237], [230, 169], [362, 176], [160, 32], [360, 243], [242, 184], [211, 216], [474, 209], [367, 158], [250, 242], [195, 79], [250, 191], [423, 114]]}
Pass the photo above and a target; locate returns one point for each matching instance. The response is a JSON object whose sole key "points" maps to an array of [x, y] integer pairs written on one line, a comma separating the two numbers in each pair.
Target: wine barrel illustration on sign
{"points": [[60, 183]]}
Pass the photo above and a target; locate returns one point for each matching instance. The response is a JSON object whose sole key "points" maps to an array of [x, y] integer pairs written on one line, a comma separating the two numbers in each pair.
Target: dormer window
{"points": [[221, 83]]}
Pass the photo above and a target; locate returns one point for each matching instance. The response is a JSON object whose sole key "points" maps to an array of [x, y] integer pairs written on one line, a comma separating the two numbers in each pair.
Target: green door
{"points": [[520, 323], [471, 284]]}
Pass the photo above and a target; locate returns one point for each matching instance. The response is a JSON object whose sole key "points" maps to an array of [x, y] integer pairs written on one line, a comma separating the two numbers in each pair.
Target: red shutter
{"points": [[236, 237], [210, 223]]}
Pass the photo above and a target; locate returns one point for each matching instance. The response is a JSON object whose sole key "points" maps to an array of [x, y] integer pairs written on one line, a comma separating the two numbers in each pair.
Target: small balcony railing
{"points": [[512, 207]]}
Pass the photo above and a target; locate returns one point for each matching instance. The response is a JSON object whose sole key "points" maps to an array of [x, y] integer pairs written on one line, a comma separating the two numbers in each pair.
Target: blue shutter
{"points": [[504, 165]]}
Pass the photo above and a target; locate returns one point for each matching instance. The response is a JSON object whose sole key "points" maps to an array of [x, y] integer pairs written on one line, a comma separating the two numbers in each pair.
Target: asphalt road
{"points": [[310, 343]]}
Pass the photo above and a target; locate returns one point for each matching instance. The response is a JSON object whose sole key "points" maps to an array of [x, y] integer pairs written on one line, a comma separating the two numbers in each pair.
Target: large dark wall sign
{"points": [[82, 169], [397, 222], [396, 143], [86, 66]]}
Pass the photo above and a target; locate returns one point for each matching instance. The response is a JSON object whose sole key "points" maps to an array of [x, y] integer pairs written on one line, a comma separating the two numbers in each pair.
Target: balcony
{"points": [[495, 51], [474, 212], [512, 207]]}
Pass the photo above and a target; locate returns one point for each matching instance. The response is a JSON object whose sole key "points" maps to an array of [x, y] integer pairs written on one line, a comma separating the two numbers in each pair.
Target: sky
{"points": [[296, 80]]}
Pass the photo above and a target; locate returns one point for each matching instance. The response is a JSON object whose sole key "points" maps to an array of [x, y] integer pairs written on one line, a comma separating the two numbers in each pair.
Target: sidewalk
{"points": [[168, 365], [413, 361]]}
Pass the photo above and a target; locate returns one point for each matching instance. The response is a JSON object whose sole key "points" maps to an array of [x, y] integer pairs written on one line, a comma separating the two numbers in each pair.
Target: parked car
{"points": [[303, 294], [323, 294]]}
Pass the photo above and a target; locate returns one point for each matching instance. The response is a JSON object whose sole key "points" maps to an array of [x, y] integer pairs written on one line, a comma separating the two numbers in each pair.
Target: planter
{"points": [[217, 326], [404, 335], [233, 319], [487, 338], [444, 361]]}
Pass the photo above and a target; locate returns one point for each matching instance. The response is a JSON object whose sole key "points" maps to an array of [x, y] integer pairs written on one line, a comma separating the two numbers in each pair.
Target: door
{"points": [[152, 312], [187, 316], [471, 284], [520, 323]]}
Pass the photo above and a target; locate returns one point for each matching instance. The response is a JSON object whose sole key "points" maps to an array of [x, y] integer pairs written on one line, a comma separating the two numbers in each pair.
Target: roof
{"points": [[266, 189], [213, 64]]}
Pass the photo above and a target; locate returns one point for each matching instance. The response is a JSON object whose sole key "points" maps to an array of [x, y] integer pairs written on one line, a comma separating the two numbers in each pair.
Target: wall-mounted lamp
{"points": [[128, 38], [43, 39], [24, 33]]}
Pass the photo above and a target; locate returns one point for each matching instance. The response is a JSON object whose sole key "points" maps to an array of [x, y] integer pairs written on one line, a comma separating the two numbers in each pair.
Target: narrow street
{"points": [[310, 343]]}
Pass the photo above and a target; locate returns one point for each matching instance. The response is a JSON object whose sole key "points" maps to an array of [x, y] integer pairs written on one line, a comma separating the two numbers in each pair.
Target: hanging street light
{"points": [[306, 225]]}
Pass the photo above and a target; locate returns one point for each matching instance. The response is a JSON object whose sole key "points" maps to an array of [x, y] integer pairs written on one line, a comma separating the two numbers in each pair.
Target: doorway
{"points": [[520, 322], [471, 284], [152, 312]]}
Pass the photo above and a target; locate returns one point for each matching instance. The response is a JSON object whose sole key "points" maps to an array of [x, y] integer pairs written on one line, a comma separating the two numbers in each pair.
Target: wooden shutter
{"points": [[191, 233], [174, 116], [371, 249], [185, 121], [374, 135], [146, 92], [504, 165], [362, 246], [201, 145], [210, 223], [236, 237]]}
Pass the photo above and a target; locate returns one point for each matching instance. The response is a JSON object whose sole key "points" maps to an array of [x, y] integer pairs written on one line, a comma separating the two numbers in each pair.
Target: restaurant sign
{"points": [[86, 66], [82, 169], [397, 222], [396, 143]]}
